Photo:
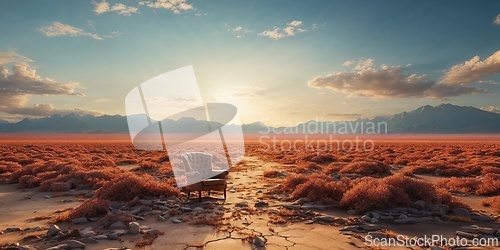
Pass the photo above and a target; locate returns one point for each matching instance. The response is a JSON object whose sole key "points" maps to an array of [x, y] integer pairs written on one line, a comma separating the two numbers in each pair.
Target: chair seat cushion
{"points": [[214, 182]]}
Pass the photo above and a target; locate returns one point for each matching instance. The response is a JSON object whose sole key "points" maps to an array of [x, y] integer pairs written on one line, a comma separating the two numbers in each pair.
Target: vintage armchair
{"points": [[200, 174]]}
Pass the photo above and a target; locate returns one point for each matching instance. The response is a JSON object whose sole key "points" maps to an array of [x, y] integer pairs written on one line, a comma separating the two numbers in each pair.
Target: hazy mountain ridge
{"points": [[444, 118]]}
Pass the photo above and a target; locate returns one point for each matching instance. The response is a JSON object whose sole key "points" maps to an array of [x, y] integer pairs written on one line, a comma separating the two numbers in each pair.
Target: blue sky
{"points": [[277, 61]]}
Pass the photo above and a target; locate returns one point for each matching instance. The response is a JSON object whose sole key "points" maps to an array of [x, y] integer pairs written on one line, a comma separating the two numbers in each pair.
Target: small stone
{"points": [[462, 212], [403, 216], [352, 212], [186, 209], [377, 235], [53, 230], [73, 243], [59, 247], [258, 242], [198, 209], [482, 218], [387, 217], [325, 218], [420, 204], [369, 227], [232, 190], [375, 215], [365, 218], [112, 236], [176, 220], [120, 232], [373, 220], [100, 237], [465, 234], [47, 197], [404, 221], [117, 225], [89, 241], [261, 204], [134, 227], [146, 202], [13, 229], [79, 220], [349, 228], [241, 204]]}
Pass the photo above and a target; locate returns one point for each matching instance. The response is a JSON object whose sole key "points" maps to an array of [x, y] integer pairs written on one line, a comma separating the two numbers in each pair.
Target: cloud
{"points": [[353, 115], [473, 70], [348, 63], [18, 85], [238, 28], [493, 109], [100, 100], [47, 110], [176, 6], [291, 29], [496, 20], [387, 82], [122, 9], [60, 29], [249, 92]]}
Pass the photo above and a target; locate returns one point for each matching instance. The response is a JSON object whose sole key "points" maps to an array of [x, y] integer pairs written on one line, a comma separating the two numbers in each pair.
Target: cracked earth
{"points": [[249, 219]]}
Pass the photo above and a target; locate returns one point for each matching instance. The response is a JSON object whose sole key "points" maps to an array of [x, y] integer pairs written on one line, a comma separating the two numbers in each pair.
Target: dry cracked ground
{"points": [[252, 217]]}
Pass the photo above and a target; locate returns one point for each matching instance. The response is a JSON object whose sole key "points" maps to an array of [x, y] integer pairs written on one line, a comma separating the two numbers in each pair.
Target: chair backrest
{"points": [[200, 162]]}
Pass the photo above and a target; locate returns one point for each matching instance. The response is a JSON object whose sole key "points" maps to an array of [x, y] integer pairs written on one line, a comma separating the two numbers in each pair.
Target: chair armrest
{"points": [[219, 174], [193, 177]]}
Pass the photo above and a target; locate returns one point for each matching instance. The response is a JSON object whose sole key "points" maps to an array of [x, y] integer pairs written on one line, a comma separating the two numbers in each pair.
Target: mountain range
{"points": [[444, 118]]}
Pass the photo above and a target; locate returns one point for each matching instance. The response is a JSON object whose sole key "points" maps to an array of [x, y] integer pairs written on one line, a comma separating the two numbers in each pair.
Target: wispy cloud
{"points": [[292, 28], [473, 70], [122, 9], [366, 80], [176, 6], [496, 20], [60, 29]]}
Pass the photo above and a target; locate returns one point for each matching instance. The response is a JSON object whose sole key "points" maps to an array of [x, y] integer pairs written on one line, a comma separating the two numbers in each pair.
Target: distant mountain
{"points": [[444, 118]]}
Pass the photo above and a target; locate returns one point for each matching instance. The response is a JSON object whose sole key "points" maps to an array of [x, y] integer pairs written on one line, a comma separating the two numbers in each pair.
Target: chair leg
{"points": [[189, 193], [208, 192], [224, 193], [199, 195]]}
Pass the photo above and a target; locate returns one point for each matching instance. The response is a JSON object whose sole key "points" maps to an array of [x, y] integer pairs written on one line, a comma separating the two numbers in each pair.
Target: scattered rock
{"points": [[369, 227], [176, 220], [241, 204], [79, 220], [349, 228], [87, 232], [100, 237], [403, 216], [375, 215], [420, 204], [13, 229], [198, 209], [59, 247], [53, 230], [404, 221], [261, 204], [258, 242], [482, 218], [352, 212], [373, 220], [117, 225], [387, 217], [134, 227], [73, 243], [465, 234], [186, 209], [462, 212], [377, 235], [89, 241], [325, 218]]}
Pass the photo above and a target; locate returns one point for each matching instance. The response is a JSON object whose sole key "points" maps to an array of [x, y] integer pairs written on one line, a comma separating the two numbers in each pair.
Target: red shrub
{"points": [[366, 168]]}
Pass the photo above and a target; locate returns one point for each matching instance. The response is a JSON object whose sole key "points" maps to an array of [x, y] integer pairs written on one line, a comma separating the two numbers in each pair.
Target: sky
{"points": [[276, 61]]}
